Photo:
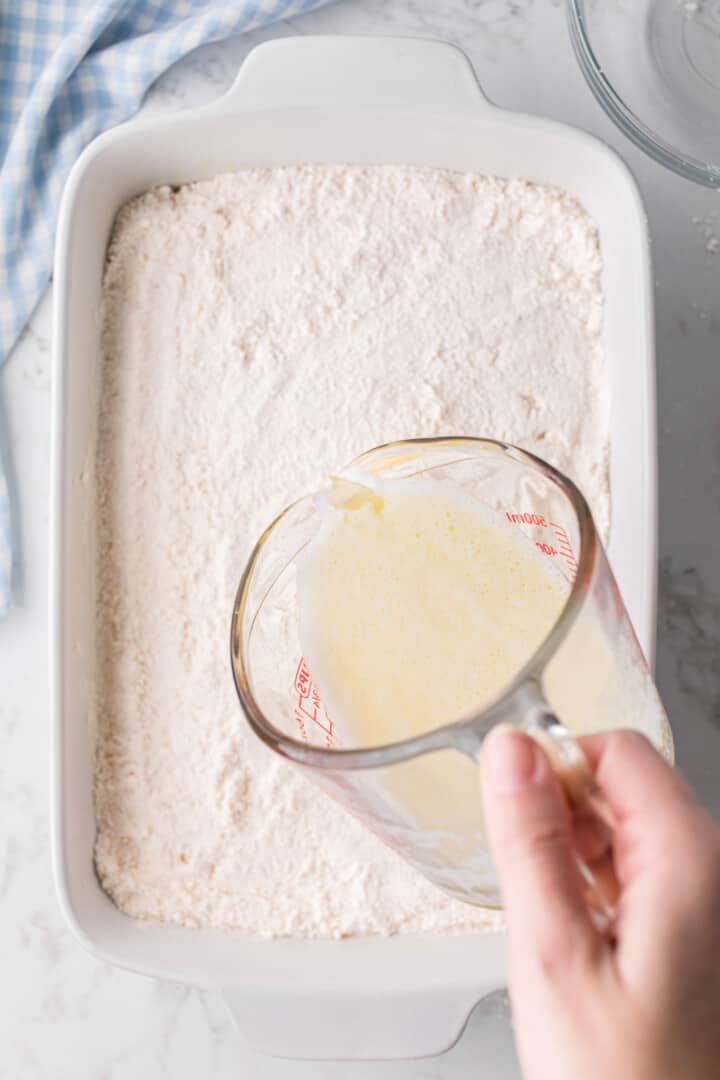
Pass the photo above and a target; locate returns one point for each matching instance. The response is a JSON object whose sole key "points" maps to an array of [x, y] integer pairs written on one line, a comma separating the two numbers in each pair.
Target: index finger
{"points": [[655, 810], [665, 852], [630, 770]]}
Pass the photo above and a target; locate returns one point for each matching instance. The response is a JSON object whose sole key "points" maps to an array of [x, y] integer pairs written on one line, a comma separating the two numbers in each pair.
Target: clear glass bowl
{"points": [[654, 66]]}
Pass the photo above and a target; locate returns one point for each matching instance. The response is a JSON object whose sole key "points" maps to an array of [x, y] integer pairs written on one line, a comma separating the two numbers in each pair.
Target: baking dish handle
{"points": [[353, 1027], [387, 72]]}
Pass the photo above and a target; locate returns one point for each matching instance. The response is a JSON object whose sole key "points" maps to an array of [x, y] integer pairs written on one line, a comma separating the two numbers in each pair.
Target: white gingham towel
{"points": [[68, 70]]}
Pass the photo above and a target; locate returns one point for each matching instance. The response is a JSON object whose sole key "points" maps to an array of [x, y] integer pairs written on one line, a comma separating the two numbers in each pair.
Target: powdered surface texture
{"points": [[260, 330]]}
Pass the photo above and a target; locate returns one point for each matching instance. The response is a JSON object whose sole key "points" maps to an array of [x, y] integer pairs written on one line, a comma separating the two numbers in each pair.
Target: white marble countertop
{"points": [[63, 1014]]}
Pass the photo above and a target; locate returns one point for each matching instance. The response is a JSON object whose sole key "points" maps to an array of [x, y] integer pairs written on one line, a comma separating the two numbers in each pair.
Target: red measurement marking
{"points": [[565, 546], [526, 519], [309, 709], [547, 549], [563, 550]]}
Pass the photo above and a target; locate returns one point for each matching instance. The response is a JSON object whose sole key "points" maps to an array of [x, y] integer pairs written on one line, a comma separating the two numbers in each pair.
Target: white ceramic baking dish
{"points": [[339, 100]]}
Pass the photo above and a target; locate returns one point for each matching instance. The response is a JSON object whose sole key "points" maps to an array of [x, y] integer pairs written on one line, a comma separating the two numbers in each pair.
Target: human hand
{"points": [[646, 1004]]}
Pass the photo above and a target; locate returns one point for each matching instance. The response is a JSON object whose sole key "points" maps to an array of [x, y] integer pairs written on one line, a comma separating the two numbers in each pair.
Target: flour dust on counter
{"points": [[260, 330]]}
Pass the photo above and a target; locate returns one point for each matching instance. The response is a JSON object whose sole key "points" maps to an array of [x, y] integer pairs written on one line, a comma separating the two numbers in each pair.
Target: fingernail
{"points": [[512, 760]]}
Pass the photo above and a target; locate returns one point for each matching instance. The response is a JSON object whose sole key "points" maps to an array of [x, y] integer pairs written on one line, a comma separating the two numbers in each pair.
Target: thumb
{"points": [[528, 824]]}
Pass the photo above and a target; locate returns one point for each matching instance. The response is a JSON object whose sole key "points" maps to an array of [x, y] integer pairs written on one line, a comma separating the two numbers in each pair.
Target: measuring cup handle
{"points": [[581, 789]]}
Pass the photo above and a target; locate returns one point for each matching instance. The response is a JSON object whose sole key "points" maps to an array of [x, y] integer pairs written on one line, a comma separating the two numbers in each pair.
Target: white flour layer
{"points": [[260, 330]]}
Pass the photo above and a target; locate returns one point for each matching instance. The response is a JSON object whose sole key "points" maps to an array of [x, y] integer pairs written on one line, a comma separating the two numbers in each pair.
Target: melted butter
{"points": [[418, 606]]}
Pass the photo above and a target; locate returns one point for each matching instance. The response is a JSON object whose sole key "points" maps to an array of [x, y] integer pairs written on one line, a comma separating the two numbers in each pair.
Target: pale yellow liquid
{"points": [[418, 607]]}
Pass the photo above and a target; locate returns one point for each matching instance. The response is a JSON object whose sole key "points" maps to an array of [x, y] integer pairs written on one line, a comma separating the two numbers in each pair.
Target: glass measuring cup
{"points": [[420, 794]]}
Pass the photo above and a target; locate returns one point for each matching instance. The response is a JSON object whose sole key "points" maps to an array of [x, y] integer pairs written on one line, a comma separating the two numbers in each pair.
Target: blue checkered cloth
{"points": [[68, 70]]}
